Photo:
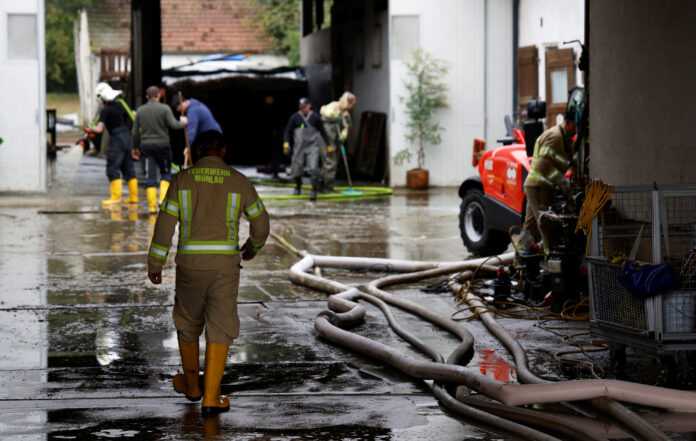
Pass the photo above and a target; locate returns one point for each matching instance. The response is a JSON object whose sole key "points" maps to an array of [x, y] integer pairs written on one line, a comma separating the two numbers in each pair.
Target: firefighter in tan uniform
{"points": [[552, 157], [207, 201]]}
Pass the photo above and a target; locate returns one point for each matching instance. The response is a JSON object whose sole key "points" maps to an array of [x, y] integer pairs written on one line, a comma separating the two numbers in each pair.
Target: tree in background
{"points": [[60, 45], [426, 94], [280, 21]]}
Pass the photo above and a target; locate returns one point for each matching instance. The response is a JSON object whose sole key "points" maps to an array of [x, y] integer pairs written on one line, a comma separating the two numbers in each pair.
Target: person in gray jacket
{"points": [[303, 130], [151, 139]]}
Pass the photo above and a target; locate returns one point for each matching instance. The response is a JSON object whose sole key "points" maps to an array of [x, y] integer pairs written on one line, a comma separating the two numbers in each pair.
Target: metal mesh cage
{"points": [[631, 209], [679, 245], [612, 303], [678, 312], [622, 220]]}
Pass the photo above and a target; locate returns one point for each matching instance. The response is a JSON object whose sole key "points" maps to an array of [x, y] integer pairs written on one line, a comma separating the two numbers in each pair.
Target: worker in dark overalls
{"points": [[304, 127], [119, 162]]}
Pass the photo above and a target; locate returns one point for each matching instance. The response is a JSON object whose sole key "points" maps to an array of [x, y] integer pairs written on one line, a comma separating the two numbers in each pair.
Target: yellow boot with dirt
{"points": [[187, 383], [215, 360]]}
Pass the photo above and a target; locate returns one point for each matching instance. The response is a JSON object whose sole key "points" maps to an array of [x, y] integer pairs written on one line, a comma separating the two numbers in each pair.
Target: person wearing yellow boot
{"points": [[207, 201], [150, 135], [119, 162]]}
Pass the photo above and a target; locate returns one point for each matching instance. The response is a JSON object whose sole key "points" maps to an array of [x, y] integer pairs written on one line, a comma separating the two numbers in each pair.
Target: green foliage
{"points": [[280, 21], [60, 46], [426, 94]]}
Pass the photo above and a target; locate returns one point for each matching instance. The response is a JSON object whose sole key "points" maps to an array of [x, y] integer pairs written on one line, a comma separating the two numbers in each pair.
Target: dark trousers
{"points": [[158, 157], [118, 159]]}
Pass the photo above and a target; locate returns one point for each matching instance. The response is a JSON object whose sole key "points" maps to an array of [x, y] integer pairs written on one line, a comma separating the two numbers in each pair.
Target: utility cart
{"points": [[651, 225]]}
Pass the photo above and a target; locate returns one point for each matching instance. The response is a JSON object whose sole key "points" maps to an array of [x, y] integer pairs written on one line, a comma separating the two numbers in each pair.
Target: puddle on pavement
{"points": [[193, 427], [491, 365]]}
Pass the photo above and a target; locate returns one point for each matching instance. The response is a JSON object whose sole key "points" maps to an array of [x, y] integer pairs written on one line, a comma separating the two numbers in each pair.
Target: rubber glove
{"points": [[155, 278], [247, 253]]}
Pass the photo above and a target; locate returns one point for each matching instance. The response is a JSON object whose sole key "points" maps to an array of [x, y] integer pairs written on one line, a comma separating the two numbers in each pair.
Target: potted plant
{"points": [[426, 94]]}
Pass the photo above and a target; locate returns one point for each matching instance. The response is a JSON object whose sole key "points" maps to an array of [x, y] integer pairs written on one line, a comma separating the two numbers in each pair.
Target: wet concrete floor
{"points": [[88, 348]]}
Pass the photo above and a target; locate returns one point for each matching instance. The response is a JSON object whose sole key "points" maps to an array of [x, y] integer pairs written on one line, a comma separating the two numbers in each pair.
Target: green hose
{"points": [[366, 192]]}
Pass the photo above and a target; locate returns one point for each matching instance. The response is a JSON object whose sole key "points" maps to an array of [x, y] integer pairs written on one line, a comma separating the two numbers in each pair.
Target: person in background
{"points": [[150, 136], [303, 130], [197, 117], [337, 122], [119, 162], [272, 122]]}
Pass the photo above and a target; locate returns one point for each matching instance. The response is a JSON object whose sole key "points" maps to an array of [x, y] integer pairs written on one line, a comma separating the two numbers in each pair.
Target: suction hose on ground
{"points": [[633, 422], [461, 355], [342, 301], [352, 314], [506, 393]]}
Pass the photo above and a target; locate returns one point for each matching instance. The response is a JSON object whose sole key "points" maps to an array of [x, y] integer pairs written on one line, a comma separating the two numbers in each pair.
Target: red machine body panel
{"points": [[502, 172]]}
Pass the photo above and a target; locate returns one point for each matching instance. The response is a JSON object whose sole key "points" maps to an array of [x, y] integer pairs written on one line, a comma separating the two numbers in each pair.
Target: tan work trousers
{"points": [[206, 299], [538, 198]]}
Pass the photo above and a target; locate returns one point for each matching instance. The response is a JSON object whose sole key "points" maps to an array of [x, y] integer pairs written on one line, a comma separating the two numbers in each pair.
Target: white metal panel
{"points": [[499, 68], [455, 31], [22, 115]]}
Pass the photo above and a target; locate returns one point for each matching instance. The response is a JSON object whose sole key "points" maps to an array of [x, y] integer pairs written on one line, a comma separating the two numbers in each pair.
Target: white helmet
{"points": [[106, 93]]}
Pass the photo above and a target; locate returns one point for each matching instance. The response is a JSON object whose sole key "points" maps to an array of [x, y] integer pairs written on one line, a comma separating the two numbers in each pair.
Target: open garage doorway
{"points": [[252, 109]]}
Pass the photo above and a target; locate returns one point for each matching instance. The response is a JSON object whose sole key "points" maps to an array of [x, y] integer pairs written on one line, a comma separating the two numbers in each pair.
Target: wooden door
{"points": [[527, 76], [560, 76]]}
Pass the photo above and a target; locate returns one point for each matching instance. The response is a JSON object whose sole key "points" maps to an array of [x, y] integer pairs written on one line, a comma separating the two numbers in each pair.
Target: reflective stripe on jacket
{"points": [[552, 153], [207, 201]]}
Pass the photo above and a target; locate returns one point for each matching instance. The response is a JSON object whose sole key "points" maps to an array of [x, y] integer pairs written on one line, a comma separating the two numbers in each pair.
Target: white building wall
{"points": [[371, 82], [23, 113], [456, 30], [499, 70], [546, 23]]}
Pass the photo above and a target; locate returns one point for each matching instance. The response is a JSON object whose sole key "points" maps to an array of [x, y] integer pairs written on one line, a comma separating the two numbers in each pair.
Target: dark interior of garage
{"points": [[252, 124]]}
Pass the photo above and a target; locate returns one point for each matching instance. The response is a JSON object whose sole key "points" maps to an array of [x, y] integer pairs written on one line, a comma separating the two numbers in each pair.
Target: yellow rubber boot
{"points": [[164, 186], [116, 192], [215, 360], [187, 383], [132, 192], [151, 193]]}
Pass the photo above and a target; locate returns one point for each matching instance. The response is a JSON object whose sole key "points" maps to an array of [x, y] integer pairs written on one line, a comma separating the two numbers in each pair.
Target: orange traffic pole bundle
{"points": [[596, 196]]}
